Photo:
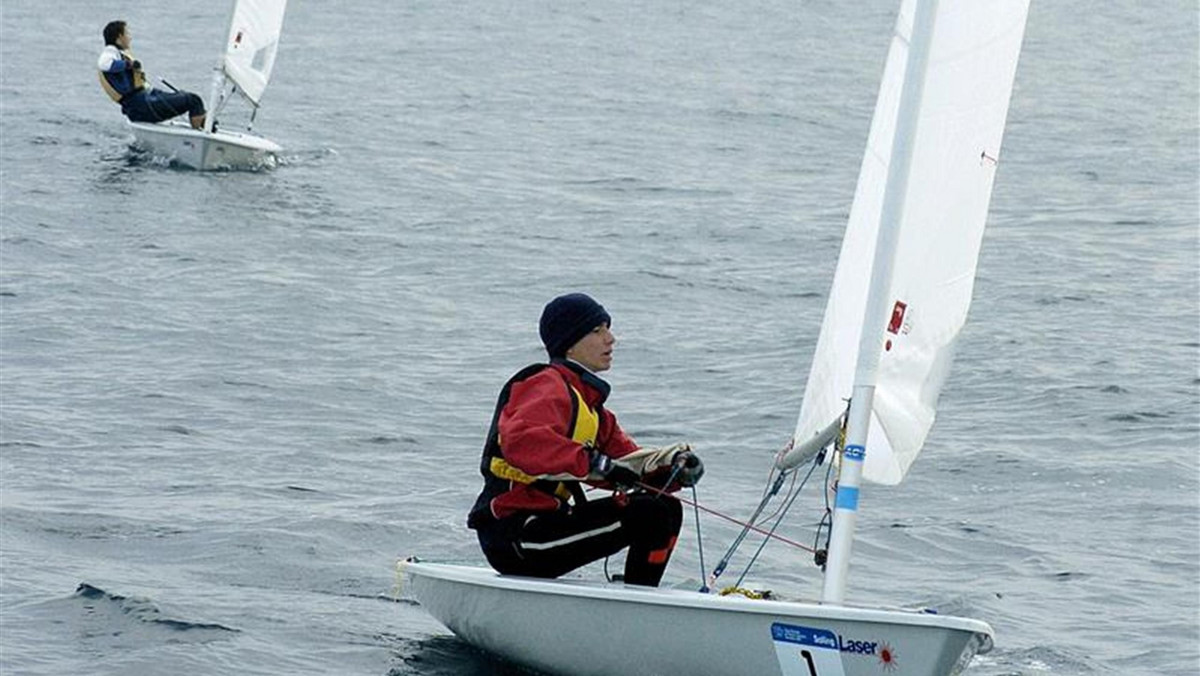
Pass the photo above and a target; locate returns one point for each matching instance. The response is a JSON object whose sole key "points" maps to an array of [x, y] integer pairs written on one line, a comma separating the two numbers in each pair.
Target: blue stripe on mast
{"points": [[847, 498]]}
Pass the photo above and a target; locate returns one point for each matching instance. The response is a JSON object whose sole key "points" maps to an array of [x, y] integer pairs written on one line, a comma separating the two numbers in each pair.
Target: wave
{"points": [[140, 610]]}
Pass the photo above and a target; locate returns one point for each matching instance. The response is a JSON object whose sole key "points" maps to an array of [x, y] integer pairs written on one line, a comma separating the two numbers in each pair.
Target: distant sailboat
{"points": [[900, 296], [244, 67]]}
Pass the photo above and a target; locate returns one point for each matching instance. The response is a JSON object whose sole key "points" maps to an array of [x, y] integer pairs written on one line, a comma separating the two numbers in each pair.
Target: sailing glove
{"points": [[688, 468], [602, 467]]}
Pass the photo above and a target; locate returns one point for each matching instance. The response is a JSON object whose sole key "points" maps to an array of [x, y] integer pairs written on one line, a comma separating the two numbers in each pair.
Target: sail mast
{"points": [[875, 316], [216, 91]]}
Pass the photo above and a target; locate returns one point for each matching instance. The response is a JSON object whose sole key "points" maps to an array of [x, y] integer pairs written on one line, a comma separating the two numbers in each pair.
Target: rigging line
{"points": [[791, 489], [748, 526], [828, 510], [821, 554], [771, 492], [675, 469], [782, 513], [787, 447], [775, 468], [699, 540], [770, 479]]}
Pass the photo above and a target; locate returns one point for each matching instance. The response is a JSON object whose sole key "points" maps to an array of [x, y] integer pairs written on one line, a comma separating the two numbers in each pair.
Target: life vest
{"points": [[122, 83], [499, 475]]}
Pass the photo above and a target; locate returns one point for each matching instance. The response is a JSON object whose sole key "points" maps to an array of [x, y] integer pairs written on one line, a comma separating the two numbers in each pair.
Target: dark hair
{"points": [[112, 31]]}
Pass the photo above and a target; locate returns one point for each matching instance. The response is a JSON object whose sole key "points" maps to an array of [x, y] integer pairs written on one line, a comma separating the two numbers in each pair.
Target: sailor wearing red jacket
{"points": [[549, 435]]}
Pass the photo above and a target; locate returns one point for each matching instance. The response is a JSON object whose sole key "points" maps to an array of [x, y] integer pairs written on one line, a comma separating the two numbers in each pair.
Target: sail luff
{"points": [[217, 82], [874, 318], [830, 378]]}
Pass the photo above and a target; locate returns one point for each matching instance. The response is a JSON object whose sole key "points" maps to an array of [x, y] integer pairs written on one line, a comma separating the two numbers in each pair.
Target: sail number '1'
{"points": [[812, 668], [805, 651]]}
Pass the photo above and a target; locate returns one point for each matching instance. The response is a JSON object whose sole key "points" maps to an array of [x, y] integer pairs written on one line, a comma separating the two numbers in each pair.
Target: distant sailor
{"points": [[550, 435], [124, 81]]}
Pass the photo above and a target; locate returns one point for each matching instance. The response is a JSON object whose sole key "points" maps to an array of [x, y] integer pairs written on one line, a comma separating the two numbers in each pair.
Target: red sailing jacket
{"points": [[537, 449]]}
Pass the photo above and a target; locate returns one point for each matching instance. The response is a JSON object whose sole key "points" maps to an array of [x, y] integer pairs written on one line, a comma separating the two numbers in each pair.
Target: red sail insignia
{"points": [[897, 317]]}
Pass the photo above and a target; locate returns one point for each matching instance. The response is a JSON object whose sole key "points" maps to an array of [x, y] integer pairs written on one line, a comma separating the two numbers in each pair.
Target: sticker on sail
{"points": [[897, 320], [804, 651], [898, 324]]}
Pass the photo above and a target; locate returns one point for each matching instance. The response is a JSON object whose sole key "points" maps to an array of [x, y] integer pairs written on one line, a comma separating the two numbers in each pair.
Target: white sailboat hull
{"points": [[205, 151], [582, 629]]}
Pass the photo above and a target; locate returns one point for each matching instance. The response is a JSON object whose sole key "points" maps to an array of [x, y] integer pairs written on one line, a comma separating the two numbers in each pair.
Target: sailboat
{"points": [[900, 295], [244, 67]]}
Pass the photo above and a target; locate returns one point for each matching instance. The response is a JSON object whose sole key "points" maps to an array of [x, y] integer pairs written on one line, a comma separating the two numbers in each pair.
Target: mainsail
{"points": [[250, 48], [940, 210]]}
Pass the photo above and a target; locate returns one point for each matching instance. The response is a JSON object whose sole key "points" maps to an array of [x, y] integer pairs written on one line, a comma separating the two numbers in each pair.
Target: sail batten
{"points": [[941, 212], [251, 45]]}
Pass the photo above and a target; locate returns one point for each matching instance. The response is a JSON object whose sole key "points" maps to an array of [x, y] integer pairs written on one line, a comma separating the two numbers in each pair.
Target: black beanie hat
{"points": [[568, 318]]}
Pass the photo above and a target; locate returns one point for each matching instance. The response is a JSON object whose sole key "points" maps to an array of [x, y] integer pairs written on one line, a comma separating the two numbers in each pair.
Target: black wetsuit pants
{"points": [[549, 544], [155, 105]]}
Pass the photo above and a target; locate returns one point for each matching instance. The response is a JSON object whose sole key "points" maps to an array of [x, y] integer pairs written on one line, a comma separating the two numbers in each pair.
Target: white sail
{"points": [[942, 212], [251, 45]]}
